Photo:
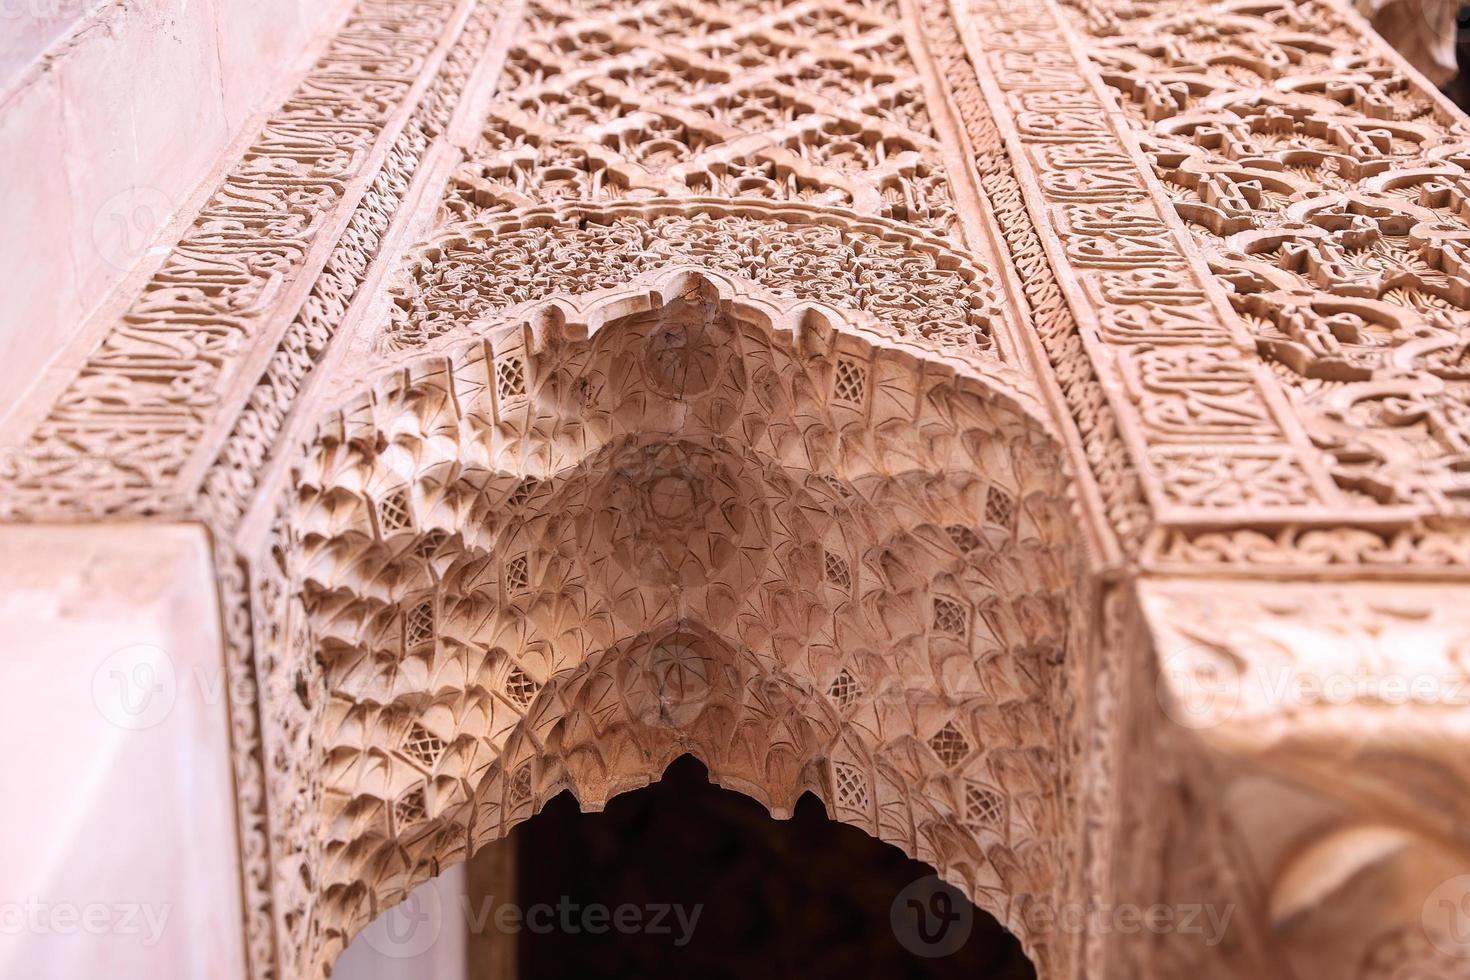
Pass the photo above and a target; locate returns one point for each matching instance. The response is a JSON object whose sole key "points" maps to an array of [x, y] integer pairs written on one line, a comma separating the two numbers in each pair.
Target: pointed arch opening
{"points": [[684, 878]]}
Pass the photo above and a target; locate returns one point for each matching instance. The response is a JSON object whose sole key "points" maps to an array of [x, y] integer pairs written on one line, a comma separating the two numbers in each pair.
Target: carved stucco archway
{"points": [[681, 515], [1218, 246]]}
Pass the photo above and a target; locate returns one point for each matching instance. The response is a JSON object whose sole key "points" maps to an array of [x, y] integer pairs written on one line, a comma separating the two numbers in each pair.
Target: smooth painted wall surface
{"points": [[29, 27], [120, 856], [111, 115]]}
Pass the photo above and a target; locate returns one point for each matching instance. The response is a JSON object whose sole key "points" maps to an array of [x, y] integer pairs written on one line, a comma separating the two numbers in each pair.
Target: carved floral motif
{"points": [[917, 289], [119, 439], [818, 102]]}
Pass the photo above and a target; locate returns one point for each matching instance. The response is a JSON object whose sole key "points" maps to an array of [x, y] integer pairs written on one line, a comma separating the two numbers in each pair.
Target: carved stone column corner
{"points": [[1319, 732]]}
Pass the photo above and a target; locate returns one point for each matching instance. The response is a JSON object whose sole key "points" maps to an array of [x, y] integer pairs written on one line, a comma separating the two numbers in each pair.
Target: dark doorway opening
{"points": [[808, 897]]}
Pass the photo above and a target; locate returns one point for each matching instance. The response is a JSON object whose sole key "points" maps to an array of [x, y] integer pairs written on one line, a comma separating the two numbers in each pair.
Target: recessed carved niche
{"points": [[682, 516]]}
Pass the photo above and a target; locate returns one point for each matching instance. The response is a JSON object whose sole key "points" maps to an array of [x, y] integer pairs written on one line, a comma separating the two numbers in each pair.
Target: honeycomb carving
{"points": [[721, 556]]}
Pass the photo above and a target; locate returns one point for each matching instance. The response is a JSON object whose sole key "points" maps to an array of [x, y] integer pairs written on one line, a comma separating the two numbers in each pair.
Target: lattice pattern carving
{"points": [[819, 103], [950, 616], [519, 687], [949, 745], [510, 378], [849, 786], [836, 569], [423, 745], [845, 689], [418, 626], [963, 537], [518, 574], [410, 809], [851, 382], [984, 807]]}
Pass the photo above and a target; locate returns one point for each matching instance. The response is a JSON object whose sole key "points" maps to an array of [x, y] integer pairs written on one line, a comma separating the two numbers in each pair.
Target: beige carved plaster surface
{"points": [[874, 399], [201, 365], [1322, 190]]}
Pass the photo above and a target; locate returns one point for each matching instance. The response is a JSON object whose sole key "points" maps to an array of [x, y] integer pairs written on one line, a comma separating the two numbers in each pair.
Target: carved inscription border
{"points": [[258, 283], [1212, 437]]}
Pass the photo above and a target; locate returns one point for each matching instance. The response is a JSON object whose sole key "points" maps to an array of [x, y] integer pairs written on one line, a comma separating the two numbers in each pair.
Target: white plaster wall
{"points": [[111, 114], [29, 27], [119, 854]]}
